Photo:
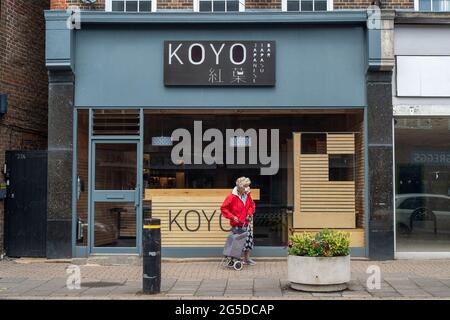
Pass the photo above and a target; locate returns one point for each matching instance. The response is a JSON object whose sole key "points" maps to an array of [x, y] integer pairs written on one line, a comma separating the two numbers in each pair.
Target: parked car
{"points": [[432, 210]]}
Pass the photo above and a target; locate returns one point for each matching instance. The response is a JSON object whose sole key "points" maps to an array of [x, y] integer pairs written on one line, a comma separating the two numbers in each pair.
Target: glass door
{"points": [[115, 205]]}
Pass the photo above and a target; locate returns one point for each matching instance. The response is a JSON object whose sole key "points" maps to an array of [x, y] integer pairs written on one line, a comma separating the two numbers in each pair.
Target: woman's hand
{"points": [[235, 219]]}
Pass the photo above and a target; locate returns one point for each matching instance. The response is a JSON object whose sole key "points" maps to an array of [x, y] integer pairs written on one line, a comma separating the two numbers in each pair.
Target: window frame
{"points": [[108, 6], [416, 7], [196, 7], [330, 6]]}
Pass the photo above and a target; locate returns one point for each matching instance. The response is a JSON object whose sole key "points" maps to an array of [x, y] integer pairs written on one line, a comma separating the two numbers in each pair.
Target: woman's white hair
{"points": [[242, 181]]}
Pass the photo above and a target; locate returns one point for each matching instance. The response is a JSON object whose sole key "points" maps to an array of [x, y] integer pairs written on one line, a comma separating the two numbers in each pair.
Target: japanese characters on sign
{"points": [[219, 63]]}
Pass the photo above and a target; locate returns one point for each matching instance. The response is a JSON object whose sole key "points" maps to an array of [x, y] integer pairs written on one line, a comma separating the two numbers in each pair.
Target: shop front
{"points": [[166, 115], [422, 137]]}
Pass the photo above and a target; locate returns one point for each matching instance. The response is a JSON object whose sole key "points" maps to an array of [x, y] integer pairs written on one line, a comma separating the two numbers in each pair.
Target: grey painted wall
{"points": [[120, 66]]}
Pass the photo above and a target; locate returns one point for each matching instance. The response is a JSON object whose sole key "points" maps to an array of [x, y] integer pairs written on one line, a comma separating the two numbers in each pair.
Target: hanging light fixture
{"points": [[162, 140]]}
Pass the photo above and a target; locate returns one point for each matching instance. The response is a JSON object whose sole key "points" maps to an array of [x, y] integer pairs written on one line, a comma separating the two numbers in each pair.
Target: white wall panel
{"points": [[423, 76]]}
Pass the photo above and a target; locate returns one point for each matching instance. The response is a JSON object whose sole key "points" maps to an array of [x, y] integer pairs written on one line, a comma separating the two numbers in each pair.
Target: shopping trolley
{"points": [[232, 250]]}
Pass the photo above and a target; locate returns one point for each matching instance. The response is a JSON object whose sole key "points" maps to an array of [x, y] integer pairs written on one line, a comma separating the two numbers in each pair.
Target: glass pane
{"points": [[422, 161], [132, 6], [314, 143], [115, 224], [115, 166], [441, 5], [118, 6], [205, 6], [320, 6], [164, 176], [307, 5], [82, 177], [218, 6], [293, 5], [233, 5], [424, 5], [145, 6], [341, 167]]}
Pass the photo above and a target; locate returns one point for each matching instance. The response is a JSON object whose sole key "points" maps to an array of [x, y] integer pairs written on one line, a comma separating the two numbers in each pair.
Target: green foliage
{"points": [[326, 243]]}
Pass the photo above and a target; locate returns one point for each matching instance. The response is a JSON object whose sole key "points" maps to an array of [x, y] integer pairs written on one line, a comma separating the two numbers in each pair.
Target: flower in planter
{"points": [[326, 243], [290, 243]]}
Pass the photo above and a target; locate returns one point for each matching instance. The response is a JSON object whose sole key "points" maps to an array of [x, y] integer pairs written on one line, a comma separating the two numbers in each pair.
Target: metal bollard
{"points": [[151, 244]]}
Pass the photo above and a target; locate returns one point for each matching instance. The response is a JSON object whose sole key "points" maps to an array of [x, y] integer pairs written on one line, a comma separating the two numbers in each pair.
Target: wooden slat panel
{"points": [[189, 193], [331, 220], [320, 202], [194, 208], [342, 143]]}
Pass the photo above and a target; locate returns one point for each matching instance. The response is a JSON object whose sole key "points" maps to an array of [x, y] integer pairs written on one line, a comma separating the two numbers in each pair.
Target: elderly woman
{"points": [[239, 207]]}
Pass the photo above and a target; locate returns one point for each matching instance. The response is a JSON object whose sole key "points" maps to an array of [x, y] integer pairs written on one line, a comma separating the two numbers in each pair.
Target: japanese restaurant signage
{"points": [[219, 63]]}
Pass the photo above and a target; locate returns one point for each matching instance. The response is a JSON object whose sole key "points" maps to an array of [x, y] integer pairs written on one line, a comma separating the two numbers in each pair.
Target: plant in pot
{"points": [[320, 262]]}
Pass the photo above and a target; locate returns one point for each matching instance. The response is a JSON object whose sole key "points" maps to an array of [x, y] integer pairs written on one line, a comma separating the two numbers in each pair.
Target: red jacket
{"points": [[234, 207]]}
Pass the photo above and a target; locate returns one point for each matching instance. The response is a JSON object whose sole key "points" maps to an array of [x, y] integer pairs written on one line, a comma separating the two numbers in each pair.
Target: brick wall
{"points": [[362, 4], [250, 4], [23, 76], [175, 4]]}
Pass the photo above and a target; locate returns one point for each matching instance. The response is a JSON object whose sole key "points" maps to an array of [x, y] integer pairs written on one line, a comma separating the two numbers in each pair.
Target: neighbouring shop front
{"points": [[165, 116], [422, 138]]}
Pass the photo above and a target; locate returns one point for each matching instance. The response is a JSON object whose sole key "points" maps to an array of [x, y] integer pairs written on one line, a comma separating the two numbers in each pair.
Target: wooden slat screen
{"points": [[319, 202]]}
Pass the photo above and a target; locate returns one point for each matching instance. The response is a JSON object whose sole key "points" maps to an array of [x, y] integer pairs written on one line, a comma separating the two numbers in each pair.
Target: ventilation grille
{"points": [[116, 122]]}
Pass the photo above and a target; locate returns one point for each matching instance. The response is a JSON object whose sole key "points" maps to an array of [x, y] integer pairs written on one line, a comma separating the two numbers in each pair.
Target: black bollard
{"points": [[151, 244]]}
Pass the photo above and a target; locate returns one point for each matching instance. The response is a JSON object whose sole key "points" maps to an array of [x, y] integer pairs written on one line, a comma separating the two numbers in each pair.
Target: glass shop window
{"points": [[132, 5], [305, 5], [314, 143], [341, 167], [219, 5], [422, 169]]}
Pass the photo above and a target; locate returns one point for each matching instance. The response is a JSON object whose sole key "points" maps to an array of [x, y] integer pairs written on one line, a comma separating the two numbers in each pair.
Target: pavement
{"points": [[191, 279]]}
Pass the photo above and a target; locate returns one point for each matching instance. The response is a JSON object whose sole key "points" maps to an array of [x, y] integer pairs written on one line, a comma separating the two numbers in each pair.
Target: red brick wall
{"points": [[263, 4], [175, 4], [250, 4], [24, 77], [362, 4]]}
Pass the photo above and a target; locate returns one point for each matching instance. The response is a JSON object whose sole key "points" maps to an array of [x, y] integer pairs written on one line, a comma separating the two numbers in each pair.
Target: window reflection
{"points": [[422, 184], [271, 221]]}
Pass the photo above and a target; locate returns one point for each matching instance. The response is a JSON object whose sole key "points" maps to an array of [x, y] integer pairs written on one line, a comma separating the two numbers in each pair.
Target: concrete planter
{"points": [[319, 274]]}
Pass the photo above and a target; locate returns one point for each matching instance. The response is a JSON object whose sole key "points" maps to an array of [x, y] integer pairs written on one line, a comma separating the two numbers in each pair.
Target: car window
{"points": [[409, 204]]}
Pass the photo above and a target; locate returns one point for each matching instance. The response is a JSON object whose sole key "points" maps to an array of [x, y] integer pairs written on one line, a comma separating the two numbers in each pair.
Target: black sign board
{"points": [[219, 63]]}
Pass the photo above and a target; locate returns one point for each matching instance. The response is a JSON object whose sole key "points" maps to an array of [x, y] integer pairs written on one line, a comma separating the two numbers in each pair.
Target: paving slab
{"points": [[238, 293], [356, 294], [209, 293], [444, 293], [12, 280], [414, 293], [268, 293], [327, 294]]}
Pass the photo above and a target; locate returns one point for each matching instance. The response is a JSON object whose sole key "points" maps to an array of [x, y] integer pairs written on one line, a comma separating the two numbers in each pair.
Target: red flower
{"points": [[290, 243]]}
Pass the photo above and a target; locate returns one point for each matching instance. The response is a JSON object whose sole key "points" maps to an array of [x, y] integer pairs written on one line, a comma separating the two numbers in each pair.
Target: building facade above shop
{"points": [[321, 60]]}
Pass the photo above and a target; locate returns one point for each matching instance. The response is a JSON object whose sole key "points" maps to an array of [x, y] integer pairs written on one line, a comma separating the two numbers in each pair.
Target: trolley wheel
{"points": [[238, 265]]}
